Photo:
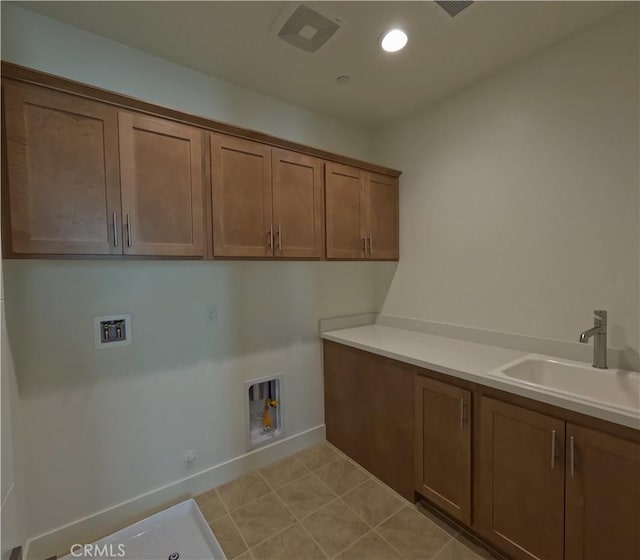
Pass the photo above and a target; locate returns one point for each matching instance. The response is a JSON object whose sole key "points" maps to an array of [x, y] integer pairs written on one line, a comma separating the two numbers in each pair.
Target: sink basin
{"points": [[617, 389]]}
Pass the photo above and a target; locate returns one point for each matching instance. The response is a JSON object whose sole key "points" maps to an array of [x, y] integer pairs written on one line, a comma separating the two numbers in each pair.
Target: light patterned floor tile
{"points": [[317, 456], [413, 535], [455, 550], [335, 527], [210, 505], [243, 490], [283, 472], [292, 544], [371, 547], [373, 502], [341, 476], [261, 519], [228, 537], [306, 495]]}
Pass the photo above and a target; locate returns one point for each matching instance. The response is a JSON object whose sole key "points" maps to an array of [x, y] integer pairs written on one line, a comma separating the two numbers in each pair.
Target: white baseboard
{"points": [[107, 521]]}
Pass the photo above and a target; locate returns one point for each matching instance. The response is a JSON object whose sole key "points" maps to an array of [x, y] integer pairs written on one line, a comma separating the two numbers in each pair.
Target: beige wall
{"points": [[12, 525], [520, 195], [104, 426]]}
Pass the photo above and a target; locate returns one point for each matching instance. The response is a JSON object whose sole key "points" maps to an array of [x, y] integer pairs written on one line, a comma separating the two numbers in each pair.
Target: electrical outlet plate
{"points": [[97, 339]]}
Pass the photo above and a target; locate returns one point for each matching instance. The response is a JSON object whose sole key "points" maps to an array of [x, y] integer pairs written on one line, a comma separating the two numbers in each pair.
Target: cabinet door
{"points": [[443, 445], [521, 481], [64, 188], [241, 198], [602, 496], [162, 187], [297, 205], [345, 212], [382, 217], [369, 413]]}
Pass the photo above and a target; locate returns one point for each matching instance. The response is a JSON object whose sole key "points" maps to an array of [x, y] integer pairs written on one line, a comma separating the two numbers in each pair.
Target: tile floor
{"points": [[318, 505]]}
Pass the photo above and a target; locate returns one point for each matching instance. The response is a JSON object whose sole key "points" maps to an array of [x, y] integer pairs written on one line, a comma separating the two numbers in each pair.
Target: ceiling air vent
{"points": [[453, 8], [306, 28]]}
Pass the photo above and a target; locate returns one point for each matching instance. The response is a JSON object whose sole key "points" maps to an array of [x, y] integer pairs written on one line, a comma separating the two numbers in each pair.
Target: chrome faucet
{"points": [[599, 332]]}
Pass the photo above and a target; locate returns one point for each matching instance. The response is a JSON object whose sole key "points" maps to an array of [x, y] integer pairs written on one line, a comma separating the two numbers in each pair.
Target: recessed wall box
{"points": [[264, 414], [111, 331]]}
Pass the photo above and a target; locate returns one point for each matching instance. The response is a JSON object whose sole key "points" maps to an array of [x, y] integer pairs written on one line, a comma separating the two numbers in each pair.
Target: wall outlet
{"points": [[189, 457], [212, 313]]}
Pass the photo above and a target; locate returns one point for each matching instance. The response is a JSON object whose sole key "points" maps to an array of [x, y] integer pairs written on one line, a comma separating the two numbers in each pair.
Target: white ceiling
{"points": [[233, 41]]}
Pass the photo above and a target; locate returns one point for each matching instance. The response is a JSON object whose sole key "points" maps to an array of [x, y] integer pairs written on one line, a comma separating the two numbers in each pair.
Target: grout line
{"points": [[435, 556], [233, 522], [298, 522], [355, 542], [277, 532], [337, 498], [388, 543]]}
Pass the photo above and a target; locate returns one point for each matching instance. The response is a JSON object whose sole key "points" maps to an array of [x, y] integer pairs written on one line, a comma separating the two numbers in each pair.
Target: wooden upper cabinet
{"points": [[520, 484], [95, 173], [297, 205], [602, 496], [161, 170], [382, 217], [62, 167], [362, 214], [345, 211], [241, 198], [443, 445]]}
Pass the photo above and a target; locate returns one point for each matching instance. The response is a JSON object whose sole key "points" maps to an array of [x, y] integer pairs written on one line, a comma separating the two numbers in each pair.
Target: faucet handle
{"points": [[600, 317]]}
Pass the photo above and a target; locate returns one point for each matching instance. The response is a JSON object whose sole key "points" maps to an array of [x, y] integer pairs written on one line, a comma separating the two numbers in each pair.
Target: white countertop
{"points": [[466, 360]]}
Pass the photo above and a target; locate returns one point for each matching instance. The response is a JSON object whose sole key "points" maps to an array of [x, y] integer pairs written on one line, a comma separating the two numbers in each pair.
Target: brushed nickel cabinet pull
{"points": [[364, 245], [128, 231], [553, 449], [572, 455], [461, 413], [270, 238], [115, 229], [279, 238]]}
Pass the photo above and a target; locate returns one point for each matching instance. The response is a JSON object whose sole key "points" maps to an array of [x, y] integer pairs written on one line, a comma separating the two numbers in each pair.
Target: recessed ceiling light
{"points": [[394, 40], [343, 80]]}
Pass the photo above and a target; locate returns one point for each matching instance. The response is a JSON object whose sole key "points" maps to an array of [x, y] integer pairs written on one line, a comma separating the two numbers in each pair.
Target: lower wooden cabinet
{"points": [[368, 402], [602, 496], [521, 474], [521, 480], [443, 445]]}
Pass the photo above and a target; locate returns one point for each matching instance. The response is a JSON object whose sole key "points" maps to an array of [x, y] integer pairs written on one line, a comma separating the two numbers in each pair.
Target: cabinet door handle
{"points": [[461, 414], [370, 244], [115, 229], [279, 238], [572, 455], [553, 449], [270, 238], [128, 231], [364, 245]]}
